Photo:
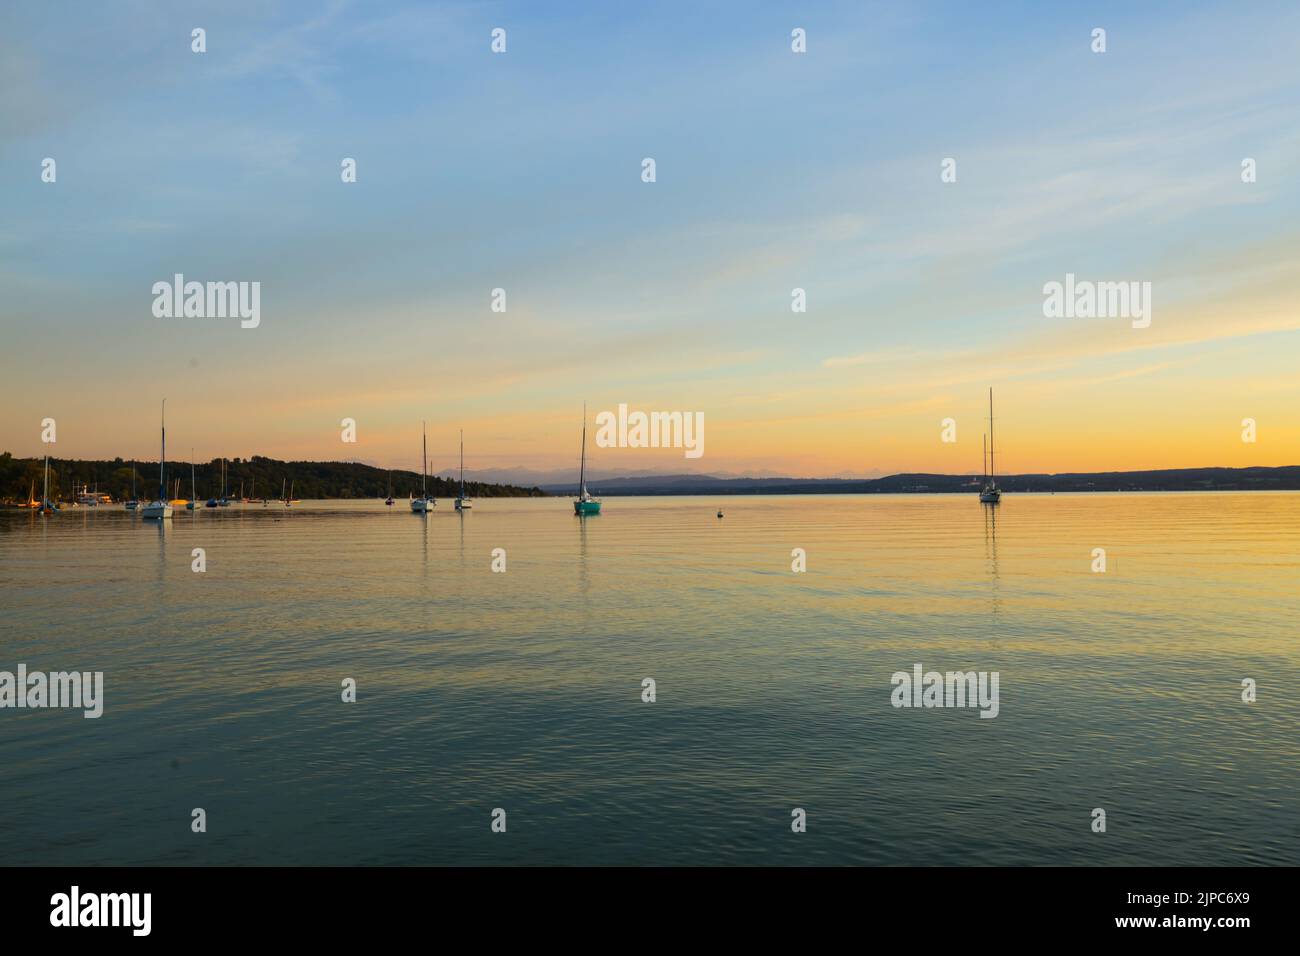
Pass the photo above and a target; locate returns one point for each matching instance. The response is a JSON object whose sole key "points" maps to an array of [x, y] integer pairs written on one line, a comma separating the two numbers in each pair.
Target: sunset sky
{"points": [[774, 171]]}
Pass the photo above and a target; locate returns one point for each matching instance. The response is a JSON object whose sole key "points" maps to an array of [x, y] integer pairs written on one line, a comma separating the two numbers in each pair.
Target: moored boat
{"points": [[585, 503], [194, 492], [161, 507], [422, 504], [990, 494], [134, 502], [47, 507], [462, 502]]}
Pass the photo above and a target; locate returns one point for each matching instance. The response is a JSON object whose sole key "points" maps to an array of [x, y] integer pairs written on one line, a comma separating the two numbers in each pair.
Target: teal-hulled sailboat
{"points": [[47, 507], [584, 504]]}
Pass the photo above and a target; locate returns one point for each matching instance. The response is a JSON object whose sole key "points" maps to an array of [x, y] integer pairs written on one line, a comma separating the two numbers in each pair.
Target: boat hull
{"points": [[422, 505], [990, 497], [586, 507], [157, 509]]}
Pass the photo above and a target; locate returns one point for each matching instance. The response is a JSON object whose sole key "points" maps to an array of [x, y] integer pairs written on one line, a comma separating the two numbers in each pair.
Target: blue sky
{"points": [[775, 170]]}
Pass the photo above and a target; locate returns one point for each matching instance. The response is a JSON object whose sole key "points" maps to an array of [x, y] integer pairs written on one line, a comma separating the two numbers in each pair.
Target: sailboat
{"points": [[422, 504], [47, 508], [462, 503], [288, 502], [213, 502], [223, 501], [989, 494], [161, 508], [584, 504], [31, 501], [194, 491], [133, 503], [389, 500]]}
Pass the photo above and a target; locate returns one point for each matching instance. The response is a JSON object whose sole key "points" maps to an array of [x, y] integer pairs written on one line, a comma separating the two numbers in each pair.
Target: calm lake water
{"points": [[522, 690]]}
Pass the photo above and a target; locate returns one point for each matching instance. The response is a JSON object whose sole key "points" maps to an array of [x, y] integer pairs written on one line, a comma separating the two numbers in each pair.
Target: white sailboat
{"points": [[134, 503], [989, 494], [161, 508], [423, 503], [462, 503]]}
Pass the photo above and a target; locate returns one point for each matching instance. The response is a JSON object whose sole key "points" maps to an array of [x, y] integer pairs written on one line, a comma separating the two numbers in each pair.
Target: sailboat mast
{"points": [[46, 499], [424, 460], [992, 470], [582, 468], [162, 464], [984, 457], [462, 463]]}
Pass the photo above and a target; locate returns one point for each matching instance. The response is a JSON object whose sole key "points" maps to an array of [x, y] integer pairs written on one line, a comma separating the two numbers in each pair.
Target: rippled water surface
{"points": [[522, 690]]}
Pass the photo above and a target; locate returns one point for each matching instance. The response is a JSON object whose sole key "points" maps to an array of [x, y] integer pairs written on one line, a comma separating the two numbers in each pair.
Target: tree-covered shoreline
{"points": [[261, 477]]}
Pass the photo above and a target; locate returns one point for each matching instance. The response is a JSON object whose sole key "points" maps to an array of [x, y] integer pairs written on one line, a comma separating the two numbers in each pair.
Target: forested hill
{"points": [[1283, 478], [261, 477]]}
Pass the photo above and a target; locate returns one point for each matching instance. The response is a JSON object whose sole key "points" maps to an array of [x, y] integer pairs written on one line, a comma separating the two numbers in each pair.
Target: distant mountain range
{"points": [[530, 477], [1286, 478]]}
